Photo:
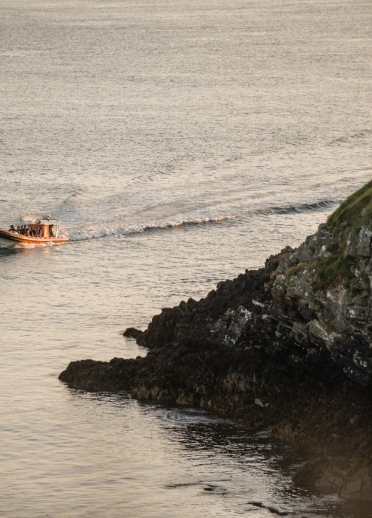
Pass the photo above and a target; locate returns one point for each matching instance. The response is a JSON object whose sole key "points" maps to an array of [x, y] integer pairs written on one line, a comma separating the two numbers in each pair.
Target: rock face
{"points": [[288, 346]]}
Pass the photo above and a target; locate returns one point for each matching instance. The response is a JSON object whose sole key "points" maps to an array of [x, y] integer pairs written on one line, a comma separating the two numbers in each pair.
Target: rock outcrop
{"points": [[288, 346]]}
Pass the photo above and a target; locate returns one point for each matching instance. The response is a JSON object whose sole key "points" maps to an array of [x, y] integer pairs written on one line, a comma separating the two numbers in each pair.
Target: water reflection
{"points": [[243, 472], [5, 253], [24, 250]]}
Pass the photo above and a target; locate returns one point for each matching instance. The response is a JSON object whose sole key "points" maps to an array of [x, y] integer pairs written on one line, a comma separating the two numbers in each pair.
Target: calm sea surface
{"points": [[179, 142]]}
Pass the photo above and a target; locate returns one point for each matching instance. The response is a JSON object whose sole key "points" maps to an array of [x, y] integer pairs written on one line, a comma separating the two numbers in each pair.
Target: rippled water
{"points": [[179, 144]]}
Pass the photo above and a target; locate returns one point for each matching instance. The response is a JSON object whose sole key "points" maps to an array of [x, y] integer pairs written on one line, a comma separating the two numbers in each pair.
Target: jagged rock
{"points": [[230, 326], [287, 346]]}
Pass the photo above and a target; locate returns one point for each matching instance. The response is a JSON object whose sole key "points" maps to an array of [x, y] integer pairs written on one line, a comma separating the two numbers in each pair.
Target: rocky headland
{"points": [[288, 346]]}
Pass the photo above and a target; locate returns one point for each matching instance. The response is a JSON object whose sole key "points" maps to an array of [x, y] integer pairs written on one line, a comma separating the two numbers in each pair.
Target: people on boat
{"points": [[24, 230]]}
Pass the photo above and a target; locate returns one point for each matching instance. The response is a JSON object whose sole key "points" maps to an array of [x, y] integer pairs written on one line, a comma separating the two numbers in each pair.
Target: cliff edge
{"points": [[288, 346]]}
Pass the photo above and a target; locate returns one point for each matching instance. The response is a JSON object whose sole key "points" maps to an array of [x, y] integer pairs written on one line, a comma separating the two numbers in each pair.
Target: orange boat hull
{"points": [[12, 239]]}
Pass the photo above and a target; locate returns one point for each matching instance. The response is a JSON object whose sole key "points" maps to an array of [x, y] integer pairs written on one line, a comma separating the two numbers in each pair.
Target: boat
{"points": [[41, 232]]}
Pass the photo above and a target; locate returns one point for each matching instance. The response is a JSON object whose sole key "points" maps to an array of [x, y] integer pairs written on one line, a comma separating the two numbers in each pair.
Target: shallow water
{"points": [[179, 144]]}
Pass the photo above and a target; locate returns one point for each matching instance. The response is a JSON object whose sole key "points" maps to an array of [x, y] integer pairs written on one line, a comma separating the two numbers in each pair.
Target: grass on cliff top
{"points": [[356, 210]]}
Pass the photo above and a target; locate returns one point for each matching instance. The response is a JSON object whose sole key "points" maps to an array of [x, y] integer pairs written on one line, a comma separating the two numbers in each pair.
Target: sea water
{"points": [[179, 143]]}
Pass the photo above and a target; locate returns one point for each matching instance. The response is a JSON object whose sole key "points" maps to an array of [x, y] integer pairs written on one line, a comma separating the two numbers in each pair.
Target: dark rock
{"points": [[287, 346], [95, 376], [132, 332]]}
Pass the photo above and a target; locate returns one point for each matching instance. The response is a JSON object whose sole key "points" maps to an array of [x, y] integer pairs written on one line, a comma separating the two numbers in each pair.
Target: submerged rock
{"points": [[132, 332], [287, 346], [340, 475]]}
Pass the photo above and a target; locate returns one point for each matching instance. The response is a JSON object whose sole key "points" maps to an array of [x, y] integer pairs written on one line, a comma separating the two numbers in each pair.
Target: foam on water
{"points": [[122, 231], [81, 235]]}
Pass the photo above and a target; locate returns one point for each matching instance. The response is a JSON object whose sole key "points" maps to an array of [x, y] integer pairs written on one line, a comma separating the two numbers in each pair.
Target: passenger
{"points": [[18, 229], [51, 231], [12, 229]]}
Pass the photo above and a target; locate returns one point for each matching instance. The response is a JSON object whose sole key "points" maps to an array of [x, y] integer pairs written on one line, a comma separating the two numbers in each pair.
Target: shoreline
{"points": [[285, 347]]}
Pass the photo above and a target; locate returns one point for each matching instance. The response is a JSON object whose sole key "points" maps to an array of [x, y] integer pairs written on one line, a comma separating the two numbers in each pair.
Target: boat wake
{"points": [[303, 207], [81, 235], [123, 231]]}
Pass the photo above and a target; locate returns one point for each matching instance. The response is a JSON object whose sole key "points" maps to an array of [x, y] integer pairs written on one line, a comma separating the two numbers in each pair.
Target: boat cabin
{"points": [[45, 228]]}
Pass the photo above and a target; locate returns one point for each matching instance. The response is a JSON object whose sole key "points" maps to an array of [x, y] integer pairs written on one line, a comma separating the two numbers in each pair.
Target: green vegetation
{"points": [[354, 213], [332, 268], [356, 210]]}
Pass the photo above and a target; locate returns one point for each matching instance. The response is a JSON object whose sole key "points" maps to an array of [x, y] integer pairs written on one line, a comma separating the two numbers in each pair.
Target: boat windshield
{"points": [[46, 227]]}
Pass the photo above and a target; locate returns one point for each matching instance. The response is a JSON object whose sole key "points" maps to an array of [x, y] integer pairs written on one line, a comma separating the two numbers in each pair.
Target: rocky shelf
{"points": [[288, 346]]}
